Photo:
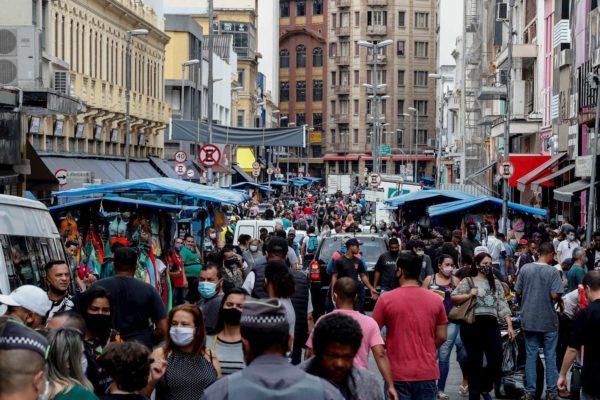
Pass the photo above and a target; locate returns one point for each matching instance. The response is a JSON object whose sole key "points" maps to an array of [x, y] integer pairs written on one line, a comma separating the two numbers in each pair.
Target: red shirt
{"points": [[307, 211], [176, 263], [411, 315]]}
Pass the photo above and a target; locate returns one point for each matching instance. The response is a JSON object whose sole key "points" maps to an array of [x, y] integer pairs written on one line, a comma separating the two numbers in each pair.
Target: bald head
{"points": [[345, 289]]}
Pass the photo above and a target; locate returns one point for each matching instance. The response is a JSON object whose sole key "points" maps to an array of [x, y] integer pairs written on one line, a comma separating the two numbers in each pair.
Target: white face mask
{"points": [[213, 235], [46, 394], [253, 248], [84, 363], [181, 336]]}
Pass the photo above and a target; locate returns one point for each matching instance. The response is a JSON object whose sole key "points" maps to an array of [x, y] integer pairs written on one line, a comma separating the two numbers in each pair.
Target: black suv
{"points": [[372, 246]]}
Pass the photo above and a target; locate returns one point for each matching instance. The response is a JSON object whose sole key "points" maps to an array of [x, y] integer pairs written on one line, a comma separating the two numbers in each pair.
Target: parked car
{"points": [[371, 248]]}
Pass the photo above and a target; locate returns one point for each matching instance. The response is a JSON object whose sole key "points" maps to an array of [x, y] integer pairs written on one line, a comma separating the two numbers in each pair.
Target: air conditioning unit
{"points": [[502, 12], [501, 76], [62, 82], [19, 58]]}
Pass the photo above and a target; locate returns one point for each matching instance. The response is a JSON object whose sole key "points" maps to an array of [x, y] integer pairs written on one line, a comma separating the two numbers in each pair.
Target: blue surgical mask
{"points": [[207, 289], [178, 246]]}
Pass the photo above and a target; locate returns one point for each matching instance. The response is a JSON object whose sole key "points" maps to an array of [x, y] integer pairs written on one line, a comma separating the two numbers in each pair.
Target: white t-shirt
{"points": [[565, 248], [495, 247]]}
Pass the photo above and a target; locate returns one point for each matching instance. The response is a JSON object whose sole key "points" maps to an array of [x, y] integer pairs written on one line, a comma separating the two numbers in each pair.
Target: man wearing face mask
{"points": [[191, 264], [566, 247], [210, 286], [593, 253], [418, 248], [468, 244], [22, 365], [58, 277], [29, 304], [385, 268], [577, 271]]}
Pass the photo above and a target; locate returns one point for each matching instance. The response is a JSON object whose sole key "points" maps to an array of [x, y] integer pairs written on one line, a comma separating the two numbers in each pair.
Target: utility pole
{"points": [[506, 150], [375, 104], [210, 82], [591, 212]]}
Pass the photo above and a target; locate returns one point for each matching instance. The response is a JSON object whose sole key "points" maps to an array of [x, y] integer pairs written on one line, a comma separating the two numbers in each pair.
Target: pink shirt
{"points": [[371, 336], [411, 315]]}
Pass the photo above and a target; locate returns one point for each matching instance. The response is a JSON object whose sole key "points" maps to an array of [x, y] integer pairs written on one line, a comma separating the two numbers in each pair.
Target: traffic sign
{"points": [[180, 169], [506, 170], [255, 165], [209, 155], [190, 173], [180, 156], [269, 171], [385, 150], [300, 175], [255, 172], [61, 176], [374, 180], [277, 170]]}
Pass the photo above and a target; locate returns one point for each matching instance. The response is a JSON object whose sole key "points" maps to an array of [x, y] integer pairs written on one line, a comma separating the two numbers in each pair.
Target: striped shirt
{"points": [[230, 355]]}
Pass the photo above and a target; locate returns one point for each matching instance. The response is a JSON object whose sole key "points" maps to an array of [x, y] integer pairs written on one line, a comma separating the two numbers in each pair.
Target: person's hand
{"points": [[157, 369], [474, 291], [374, 294], [562, 382], [511, 333], [392, 394]]}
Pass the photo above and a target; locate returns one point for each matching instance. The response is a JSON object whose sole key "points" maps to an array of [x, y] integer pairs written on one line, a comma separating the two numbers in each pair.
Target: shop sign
{"points": [[583, 166], [315, 137]]}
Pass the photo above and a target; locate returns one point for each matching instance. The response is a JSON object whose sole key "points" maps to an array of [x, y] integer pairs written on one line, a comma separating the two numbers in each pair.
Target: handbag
{"points": [[465, 312]]}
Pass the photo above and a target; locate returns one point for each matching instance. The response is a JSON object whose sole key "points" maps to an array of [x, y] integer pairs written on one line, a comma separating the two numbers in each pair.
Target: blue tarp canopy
{"points": [[122, 200], [162, 186], [278, 183], [441, 196], [312, 179], [247, 185], [462, 205], [300, 182]]}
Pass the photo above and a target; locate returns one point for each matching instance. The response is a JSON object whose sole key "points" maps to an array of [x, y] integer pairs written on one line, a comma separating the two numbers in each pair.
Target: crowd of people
{"points": [[242, 325]]}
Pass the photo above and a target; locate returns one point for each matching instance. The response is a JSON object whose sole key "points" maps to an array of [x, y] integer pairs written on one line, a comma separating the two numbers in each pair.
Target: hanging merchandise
{"points": [[68, 227]]}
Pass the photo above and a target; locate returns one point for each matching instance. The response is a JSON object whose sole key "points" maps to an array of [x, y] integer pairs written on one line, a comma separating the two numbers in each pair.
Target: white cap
{"points": [[30, 297], [480, 249]]}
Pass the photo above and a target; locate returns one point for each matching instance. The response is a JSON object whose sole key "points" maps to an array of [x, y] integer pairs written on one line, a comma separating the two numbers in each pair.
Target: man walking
{"points": [[468, 245], [495, 249], [29, 304], [539, 286], [566, 247], [385, 268], [416, 326], [58, 277], [576, 273]]}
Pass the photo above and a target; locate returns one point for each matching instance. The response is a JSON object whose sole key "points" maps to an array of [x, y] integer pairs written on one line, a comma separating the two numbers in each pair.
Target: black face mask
{"points": [[56, 290], [394, 253], [231, 316], [100, 324], [231, 263]]}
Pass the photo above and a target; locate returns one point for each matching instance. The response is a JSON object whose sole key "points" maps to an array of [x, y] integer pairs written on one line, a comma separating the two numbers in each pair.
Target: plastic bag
{"points": [[512, 385], [510, 353]]}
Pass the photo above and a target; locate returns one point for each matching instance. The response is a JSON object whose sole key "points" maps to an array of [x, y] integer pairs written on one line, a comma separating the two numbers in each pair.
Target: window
{"points": [[317, 57], [332, 50], [383, 106], [400, 77], [283, 120], [356, 49], [284, 91], [421, 106], [344, 78], [284, 8], [317, 7], [400, 104], [422, 136], [317, 120], [300, 119], [356, 18], [242, 78], [332, 106], [284, 58], [345, 19], [376, 18], [401, 19], [355, 111], [355, 136], [333, 78], [332, 133], [344, 107], [333, 20], [400, 48], [369, 76], [356, 77], [368, 106], [400, 137], [420, 78], [421, 49], [241, 118], [317, 90], [300, 56], [300, 91], [345, 49], [300, 8], [421, 20]]}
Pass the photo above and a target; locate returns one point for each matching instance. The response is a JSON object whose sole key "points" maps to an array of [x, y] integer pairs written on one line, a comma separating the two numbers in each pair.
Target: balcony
{"points": [[341, 119], [343, 3], [340, 147], [454, 103], [562, 33], [381, 59], [380, 91], [342, 31], [341, 89], [377, 2], [377, 30], [342, 60]]}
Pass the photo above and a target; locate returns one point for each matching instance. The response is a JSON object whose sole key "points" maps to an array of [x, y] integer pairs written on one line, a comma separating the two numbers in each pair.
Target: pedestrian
{"points": [[539, 286], [483, 336], [276, 249], [495, 250], [577, 271], [66, 319], [584, 335], [309, 246], [452, 246], [469, 243], [346, 293], [58, 278], [416, 326], [524, 255], [22, 362], [254, 256], [443, 283], [67, 365], [337, 340], [176, 269], [385, 268], [191, 367], [279, 284], [135, 303], [265, 334], [192, 267], [210, 287], [566, 247], [226, 343], [417, 246], [303, 311], [506, 256], [593, 253], [29, 304]]}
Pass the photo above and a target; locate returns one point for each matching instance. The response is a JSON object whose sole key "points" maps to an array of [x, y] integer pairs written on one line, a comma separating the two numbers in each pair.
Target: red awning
{"points": [[524, 164], [540, 172], [409, 157], [337, 157]]}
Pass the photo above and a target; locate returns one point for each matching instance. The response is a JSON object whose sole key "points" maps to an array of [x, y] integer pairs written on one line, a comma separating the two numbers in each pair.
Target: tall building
{"points": [[407, 106], [303, 79]]}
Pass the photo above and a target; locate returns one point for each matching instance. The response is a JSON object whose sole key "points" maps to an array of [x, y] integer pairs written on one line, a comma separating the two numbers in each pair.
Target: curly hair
{"points": [[128, 364], [336, 328], [283, 281]]}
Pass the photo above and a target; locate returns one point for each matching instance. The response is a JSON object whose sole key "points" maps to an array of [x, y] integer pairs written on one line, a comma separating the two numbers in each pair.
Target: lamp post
{"points": [[506, 150], [416, 111], [409, 143], [128, 38], [594, 81], [375, 47], [185, 64], [210, 83]]}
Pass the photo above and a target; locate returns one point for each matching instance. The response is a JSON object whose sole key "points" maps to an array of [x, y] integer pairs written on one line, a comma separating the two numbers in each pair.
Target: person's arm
{"points": [[211, 357], [157, 370], [462, 292], [441, 334], [383, 364], [334, 276], [570, 355], [426, 282], [160, 329], [376, 278], [365, 279], [248, 284]]}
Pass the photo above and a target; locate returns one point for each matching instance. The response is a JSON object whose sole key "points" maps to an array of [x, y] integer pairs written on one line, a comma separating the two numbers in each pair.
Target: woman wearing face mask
{"points": [[176, 272], [227, 343], [191, 367], [443, 283], [253, 256], [280, 284], [374, 228], [483, 336], [66, 366], [95, 308]]}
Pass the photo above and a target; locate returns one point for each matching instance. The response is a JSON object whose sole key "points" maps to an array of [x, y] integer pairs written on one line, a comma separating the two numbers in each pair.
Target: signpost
{"points": [[506, 170], [209, 155], [180, 169], [190, 173], [374, 195], [374, 180], [385, 150], [180, 156], [255, 173], [61, 176], [255, 165]]}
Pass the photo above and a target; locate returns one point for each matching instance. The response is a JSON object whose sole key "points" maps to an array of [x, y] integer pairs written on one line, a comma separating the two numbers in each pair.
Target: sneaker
{"points": [[552, 396], [443, 396], [463, 390], [486, 396], [527, 396]]}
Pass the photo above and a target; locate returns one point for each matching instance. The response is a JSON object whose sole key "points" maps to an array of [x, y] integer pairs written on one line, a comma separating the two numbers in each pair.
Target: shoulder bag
{"points": [[465, 312]]}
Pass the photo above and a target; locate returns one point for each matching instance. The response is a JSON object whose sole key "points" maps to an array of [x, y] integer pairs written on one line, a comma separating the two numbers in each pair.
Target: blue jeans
{"points": [[444, 353], [420, 390], [533, 342]]}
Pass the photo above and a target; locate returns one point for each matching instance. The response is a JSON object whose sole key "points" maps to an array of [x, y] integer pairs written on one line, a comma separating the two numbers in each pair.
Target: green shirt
{"points": [[191, 263], [575, 276], [77, 392]]}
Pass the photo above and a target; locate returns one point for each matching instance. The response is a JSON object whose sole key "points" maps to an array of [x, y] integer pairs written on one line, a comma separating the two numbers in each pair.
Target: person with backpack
{"points": [[309, 247], [321, 212]]}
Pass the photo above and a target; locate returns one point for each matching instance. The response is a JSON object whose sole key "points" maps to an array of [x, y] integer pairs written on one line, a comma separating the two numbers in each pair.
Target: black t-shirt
{"points": [[351, 268], [136, 305], [586, 326], [467, 249], [386, 266], [123, 397]]}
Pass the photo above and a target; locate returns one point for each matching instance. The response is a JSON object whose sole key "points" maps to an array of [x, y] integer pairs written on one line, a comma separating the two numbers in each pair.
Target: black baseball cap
{"points": [[352, 242]]}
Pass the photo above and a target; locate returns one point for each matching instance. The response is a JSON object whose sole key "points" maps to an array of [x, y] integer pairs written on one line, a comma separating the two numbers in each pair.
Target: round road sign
{"points": [[255, 172], [190, 173], [180, 169], [180, 156], [277, 170], [506, 170], [269, 171], [209, 155], [61, 176], [374, 180], [255, 165]]}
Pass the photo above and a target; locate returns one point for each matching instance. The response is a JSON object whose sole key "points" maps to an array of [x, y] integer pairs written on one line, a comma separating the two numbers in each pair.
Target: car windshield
{"points": [[371, 248]]}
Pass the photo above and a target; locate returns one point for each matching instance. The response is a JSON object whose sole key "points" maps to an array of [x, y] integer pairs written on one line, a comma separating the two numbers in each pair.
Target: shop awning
{"points": [[566, 193], [482, 170], [164, 167], [524, 164], [538, 172], [337, 157], [245, 158], [536, 184], [124, 201], [243, 173], [251, 185], [442, 196], [278, 183], [412, 157], [462, 205]]}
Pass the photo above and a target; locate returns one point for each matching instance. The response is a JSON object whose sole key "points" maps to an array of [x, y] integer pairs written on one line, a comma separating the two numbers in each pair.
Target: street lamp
{"points": [[375, 47], [195, 61], [128, 38], [416, 111]]}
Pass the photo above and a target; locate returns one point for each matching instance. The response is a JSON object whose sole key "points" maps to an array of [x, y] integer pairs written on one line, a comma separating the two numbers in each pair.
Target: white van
{"points": [[29, 239], [252, 227]]}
